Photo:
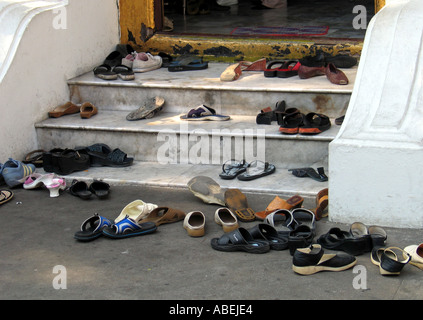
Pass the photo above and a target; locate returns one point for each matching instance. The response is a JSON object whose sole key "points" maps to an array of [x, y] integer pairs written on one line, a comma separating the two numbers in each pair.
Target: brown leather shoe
{"points": [[305, 72], [67, 108], [335, 75]]}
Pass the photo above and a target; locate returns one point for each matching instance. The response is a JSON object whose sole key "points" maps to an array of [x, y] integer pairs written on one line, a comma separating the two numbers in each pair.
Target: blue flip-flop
{"points": [[129, 228], [203, 112], [92, 228]]}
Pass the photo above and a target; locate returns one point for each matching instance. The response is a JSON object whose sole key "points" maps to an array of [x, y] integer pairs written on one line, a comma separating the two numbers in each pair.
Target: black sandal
{"points": [[310, 172], [100, 189], [239, 240], [232, 168], [80, 189], [102, 155]]}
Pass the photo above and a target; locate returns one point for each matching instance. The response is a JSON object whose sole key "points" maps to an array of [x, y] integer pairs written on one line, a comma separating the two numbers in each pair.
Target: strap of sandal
{"points": [[117, 156]]}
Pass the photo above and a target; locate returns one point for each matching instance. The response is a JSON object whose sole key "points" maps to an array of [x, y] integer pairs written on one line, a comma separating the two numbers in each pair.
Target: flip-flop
{"points": [[5, 195], [163, 215], [207, 190], [237, 202], [239, 240], [147, 110], [232, 168], [92, 228], [129, 228], [257, 169], [187, 63], [203, 112]]}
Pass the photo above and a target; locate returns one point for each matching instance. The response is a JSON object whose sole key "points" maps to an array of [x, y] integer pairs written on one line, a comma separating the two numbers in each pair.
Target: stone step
{"points": [[188, 89], [166, 138]]}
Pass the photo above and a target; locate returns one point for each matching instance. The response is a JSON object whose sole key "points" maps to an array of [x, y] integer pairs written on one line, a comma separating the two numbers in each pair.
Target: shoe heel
{"points": [[55, 188]]}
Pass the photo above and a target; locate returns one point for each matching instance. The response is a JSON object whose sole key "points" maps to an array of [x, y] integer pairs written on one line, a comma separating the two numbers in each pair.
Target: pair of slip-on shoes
{"points": [[86, 110]]}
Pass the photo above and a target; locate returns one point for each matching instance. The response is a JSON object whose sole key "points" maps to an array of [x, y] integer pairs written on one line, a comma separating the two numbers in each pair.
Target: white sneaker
{"points": [[144, 62]]}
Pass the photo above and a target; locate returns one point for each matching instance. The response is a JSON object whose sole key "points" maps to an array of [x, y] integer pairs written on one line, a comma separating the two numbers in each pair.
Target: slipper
{"points": [[88, 110], [310, 260], [239, 240], [340, 240], [136, 211], [314, 123], [283, 221], [187, 63], [310, 172], [103, 155], [80, 189], [195, 223], [203, 112], [207, 190], [257, 169], [67, 108], [416, 253], [288, 70], [322, 201], [105, 72], [270, 71], [376, 236], [237, 202], [129, 228], [100, 189], [161, 215], [266, 232], [92, 228], [232, 168], [226, 218], [267, 115], [290, 123], [279, 203], [234, 71], [147, 110], [124, 72], [5, 195]]}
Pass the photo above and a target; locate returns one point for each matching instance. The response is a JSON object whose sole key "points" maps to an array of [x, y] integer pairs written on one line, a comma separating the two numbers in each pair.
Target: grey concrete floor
{"points": [[40, 259]]}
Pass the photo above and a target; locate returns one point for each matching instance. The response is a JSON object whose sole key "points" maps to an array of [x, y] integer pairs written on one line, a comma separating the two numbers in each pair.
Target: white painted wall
{"points": [[45, 58]]}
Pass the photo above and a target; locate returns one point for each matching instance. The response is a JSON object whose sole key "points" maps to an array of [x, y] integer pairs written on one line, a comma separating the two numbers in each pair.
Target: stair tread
{"points": [[209, 79], [281, 182], [171, 123]]}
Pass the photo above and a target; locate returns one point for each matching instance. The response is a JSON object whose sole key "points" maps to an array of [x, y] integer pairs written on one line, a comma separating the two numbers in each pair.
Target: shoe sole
{"points": [[314, 269]]}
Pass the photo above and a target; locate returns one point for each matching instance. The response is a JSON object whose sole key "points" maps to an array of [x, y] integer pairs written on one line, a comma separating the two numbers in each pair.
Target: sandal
{"points": [[102, 155], [270, 71], [257, 169], [290, 123], [88, 110], [288, 70], [100, 188], [322, 201], [375, 236], [67, 108], [234, 71], [337, 239], [314, 123], [233, 168], [187, 63], [68, 161], [92, 228], [389, 261], [226, 218], [310, 172], [236, 201], [266, 232], [136, 210], [80, 189], [148, 110], [129, 228], [204, 113], [35, 157], [239, 240], [124, 72], [207, 190], [283, 221], [279, 203], [310, 260], [161, 215], [5, 195]]}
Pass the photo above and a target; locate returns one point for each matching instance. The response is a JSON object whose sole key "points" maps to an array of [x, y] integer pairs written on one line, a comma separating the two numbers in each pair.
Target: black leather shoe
{"points": [[337, 239]]}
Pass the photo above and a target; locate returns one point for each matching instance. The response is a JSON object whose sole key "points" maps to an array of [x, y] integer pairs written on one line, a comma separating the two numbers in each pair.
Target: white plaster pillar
{"points": [[376, 160]]}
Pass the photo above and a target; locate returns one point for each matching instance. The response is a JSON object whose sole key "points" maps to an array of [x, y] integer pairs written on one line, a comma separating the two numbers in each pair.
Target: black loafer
{"points": [[337, 239]]}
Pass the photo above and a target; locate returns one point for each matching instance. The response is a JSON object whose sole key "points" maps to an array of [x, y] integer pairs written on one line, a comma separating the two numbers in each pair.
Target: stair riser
{"points": [[172, 147], [230, 102]]}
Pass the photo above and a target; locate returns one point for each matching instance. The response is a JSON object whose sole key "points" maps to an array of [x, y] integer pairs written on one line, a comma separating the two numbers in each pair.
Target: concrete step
{"points": [[185, 90]]}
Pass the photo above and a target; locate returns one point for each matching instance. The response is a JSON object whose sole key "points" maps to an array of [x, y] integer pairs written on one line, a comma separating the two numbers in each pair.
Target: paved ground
{"points": [[37, 237]]}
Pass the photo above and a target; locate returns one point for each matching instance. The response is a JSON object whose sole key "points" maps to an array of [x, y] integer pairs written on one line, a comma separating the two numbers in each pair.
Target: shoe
{"points": [[305, 72], [69, 161], [204, 112], [390, 260], [136, 211], [80, 189], [322, 202], [310, 172], [337, 239], [148, 110], [416, 254], [237, 202], [194, 223], [35, 157], [234, 71], [207, 190], [290, 123], [101, 154], [257, 169], [374, 235], [105, 70], [88, 110], [162, 215], [92, 228], [314, 123], [14, 172], [232, 168], [67, 108], [307, 261], [52, 182], [226, 218], [99, 188], [282, 220], [335, 75], [144, 62]]}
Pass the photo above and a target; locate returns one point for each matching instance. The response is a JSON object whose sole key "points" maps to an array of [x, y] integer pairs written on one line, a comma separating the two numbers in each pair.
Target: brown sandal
{"points": [[67, 108], [278, 203], [163, 215], [236, 201], [322, 201]]}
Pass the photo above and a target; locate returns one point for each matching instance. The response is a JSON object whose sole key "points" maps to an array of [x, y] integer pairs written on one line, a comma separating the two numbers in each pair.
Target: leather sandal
{"points": [[237, 202], [240, 240], [390, 260], [322, 201], [162, 215], [67, 108], [88, 110], [279, 203]]}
